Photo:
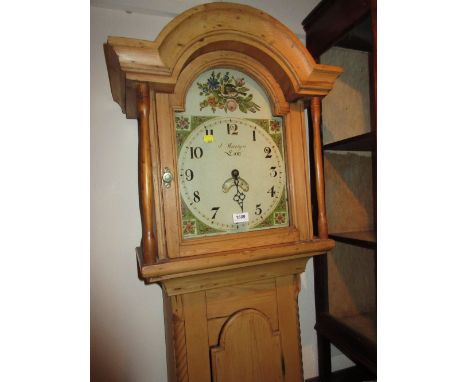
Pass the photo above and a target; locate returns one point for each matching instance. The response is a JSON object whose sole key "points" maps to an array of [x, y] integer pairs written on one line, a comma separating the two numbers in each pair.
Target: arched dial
{"points": [[232, 175]]}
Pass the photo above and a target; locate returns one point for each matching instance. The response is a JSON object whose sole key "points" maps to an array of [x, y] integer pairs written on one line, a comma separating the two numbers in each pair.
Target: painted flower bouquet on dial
{"points": [[226, 92]]}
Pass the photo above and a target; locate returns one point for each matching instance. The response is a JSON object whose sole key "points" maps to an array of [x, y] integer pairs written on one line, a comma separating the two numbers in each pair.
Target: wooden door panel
{"points": [[249, 351]]}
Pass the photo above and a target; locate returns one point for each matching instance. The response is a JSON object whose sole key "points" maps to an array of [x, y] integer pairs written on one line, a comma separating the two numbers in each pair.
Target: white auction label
{"points": [[241, 218]]}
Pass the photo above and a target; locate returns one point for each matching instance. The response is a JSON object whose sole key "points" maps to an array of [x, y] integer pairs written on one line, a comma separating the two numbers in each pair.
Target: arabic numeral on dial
{"points": [[215, 209], [188, 175], [273, 172], [196, 152], [254, 137], [258, 210], [196, 196], [267, 151], [272, 191]]}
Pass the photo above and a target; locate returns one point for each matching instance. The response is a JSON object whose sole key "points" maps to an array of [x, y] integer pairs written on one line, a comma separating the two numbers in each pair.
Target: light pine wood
{"points": [[230, 301], [157, 179], [214, 329], [249, 350], [318, 161], [166, 135], [287, 289], [145, 180], [223, 260], [213, 27], [222, 303], [200, 320], [260, 295], [196, 332], [176, 353], [221, 277], [297, 161]]}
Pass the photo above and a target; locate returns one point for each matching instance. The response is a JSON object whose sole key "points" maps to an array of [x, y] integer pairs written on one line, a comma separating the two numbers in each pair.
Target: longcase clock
{"points": [[224, 190]]}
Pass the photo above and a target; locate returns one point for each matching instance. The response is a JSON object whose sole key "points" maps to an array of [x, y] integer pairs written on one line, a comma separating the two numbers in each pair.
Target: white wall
{"points": [[127, 333], [127, 326]]}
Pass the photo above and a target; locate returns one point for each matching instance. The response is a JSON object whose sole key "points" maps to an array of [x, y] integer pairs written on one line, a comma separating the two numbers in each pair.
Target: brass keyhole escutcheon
{"points": [[167, 177]]}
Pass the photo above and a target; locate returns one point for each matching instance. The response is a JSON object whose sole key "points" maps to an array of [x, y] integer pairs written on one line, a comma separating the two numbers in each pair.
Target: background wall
{"points": [[127, 326]]}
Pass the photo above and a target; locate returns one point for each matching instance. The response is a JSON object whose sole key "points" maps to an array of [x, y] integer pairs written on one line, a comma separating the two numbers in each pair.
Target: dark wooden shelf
{"points": [[363, 142], [355, 336], [358, 38], [366, 239], [331, 20]]}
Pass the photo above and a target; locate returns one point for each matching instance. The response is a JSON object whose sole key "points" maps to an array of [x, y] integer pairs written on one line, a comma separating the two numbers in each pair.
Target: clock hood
{"points": [[198, 31]]}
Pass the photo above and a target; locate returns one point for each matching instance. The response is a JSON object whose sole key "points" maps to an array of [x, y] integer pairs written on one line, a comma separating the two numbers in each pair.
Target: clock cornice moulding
{"points": [[198, 31]]}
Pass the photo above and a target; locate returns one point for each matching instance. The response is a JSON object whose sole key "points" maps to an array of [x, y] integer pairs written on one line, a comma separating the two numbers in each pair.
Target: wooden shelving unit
{"points": [[345, 279]]}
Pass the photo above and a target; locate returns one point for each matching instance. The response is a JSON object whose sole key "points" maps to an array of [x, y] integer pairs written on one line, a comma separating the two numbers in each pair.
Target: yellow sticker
{"points": [[208, 138]]}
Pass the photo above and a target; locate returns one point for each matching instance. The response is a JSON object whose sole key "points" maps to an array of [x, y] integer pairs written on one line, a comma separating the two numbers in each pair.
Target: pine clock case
{"points": [[149, 80]]}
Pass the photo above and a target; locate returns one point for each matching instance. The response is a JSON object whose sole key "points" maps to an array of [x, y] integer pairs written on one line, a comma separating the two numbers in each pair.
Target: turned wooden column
{"points": [[145, 178], [318, 162]]}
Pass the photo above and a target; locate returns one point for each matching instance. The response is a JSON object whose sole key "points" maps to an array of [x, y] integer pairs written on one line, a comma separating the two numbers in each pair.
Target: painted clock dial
{"points": [[231, 168]]}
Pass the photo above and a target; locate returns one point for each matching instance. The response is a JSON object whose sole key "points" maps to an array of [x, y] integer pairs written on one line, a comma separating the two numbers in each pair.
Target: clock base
{"points": [[235, 323]]}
